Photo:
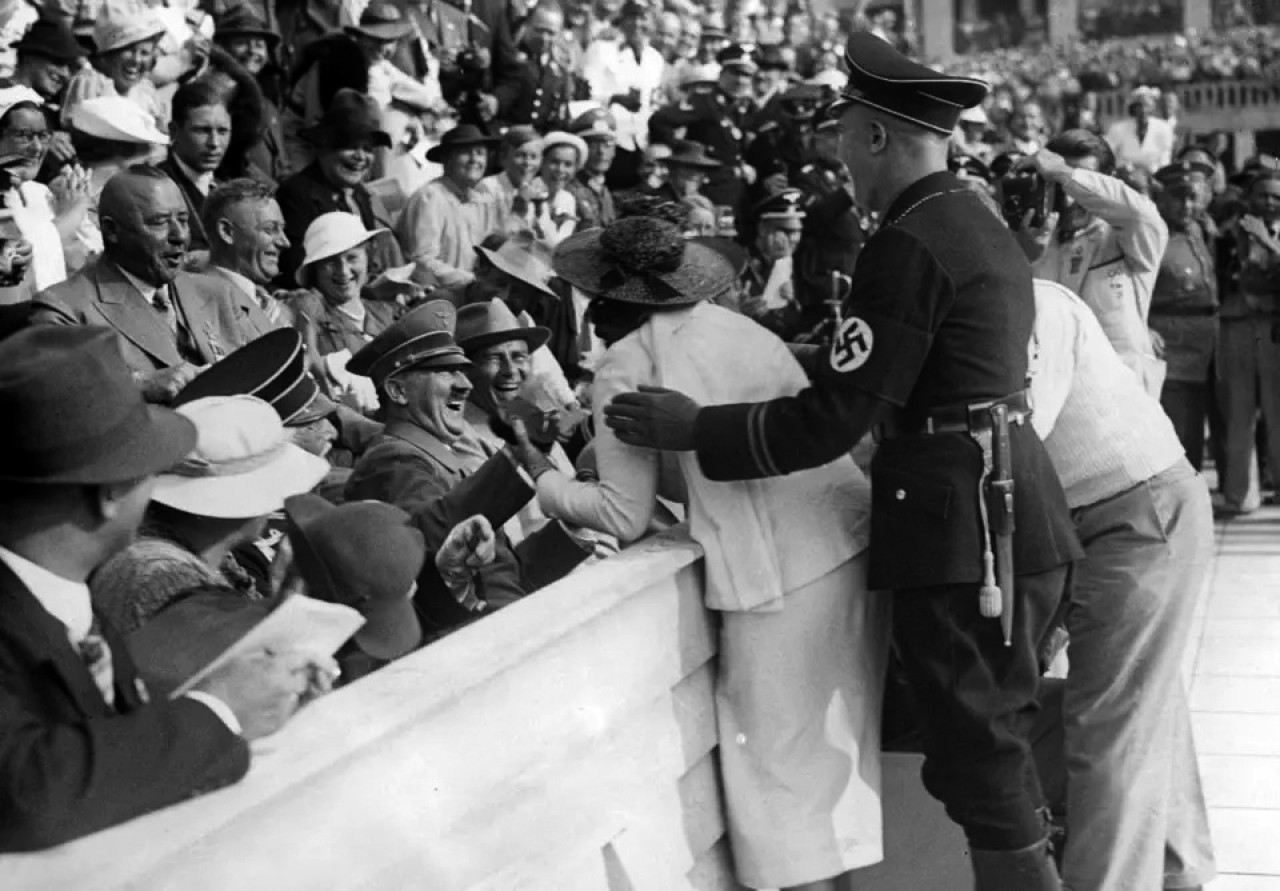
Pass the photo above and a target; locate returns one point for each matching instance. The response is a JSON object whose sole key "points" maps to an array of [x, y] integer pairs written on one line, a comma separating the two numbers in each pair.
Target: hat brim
{"points": [[502, 265], [390, 629], [440, 151], [271, 37], [384, 33], [703, 274], [319, 408], [254, 494], [326, 135], [601, 135], [303, 276], [534, 337], [63, 55], [697, 163], [155, 34], [146, 449]]}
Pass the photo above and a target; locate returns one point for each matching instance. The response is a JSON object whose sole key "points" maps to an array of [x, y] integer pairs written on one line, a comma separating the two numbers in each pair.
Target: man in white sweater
{"points": [[1135, 813]]}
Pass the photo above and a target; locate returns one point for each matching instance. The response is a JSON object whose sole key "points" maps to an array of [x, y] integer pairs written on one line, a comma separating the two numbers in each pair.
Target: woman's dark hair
{"points": [[1076, 144]]}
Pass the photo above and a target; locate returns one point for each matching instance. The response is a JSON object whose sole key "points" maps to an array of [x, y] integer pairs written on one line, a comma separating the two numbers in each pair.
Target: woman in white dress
{"points": [[803, 643]]}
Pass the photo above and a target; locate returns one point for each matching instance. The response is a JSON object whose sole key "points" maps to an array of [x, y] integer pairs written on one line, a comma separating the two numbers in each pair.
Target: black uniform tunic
{"points": [[940, 315]]}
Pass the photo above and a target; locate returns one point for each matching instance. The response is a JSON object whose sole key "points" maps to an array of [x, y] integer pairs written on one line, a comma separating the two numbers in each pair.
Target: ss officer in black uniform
{"points": [[719, 120], [540, 94], [783, 147], [932, 349]]}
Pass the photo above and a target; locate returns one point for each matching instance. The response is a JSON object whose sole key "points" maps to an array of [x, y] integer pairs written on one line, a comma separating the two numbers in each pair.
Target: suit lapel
{"points": [[201, 318], [30, 626], [126, 311]]}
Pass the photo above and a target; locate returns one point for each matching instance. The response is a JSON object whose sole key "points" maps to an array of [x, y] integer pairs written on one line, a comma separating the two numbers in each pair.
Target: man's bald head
{"points": [[144, 223]]}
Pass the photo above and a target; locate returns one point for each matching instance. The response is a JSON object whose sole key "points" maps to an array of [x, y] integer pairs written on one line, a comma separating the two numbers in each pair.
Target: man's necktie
{"points": [[270, 306], [160, 300], [96, 656]]}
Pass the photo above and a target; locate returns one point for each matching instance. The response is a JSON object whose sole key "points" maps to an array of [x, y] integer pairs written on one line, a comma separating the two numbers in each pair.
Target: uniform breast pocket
{"points": [[899, 492]]}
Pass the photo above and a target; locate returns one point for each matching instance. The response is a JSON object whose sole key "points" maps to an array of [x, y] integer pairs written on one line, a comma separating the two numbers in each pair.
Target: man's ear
{"points": [[110, 229], [106, 499], [226, 232], [879, 137], [396, 391]]}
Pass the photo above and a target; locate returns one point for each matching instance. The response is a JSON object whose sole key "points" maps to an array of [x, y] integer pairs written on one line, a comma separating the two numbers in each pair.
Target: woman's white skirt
{"points": [[798, 706]]}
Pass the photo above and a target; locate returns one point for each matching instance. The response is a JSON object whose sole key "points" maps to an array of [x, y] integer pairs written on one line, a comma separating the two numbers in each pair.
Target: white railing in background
{"points": [[1219, 105], [565, 743]]}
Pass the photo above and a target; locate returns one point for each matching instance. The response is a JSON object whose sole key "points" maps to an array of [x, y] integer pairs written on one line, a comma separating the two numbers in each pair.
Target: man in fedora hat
{"points": [[170, 322], [383, 26], [249, 40], [449, 216], [690, 167], [429, 462], [932, 347], [81, 748]]}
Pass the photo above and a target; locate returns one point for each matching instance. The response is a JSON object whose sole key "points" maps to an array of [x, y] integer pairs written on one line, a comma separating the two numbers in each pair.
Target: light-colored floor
{"points": [[1233, 666]]}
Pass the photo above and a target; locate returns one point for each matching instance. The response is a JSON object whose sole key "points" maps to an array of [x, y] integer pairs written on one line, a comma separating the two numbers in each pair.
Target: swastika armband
{"points": [[878, 355]]}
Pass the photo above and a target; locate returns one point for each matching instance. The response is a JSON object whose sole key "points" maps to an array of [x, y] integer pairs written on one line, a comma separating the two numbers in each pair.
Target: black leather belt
{"points": [[968, 418]]}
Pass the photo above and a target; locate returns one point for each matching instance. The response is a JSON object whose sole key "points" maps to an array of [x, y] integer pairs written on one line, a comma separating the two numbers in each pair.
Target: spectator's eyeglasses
{"points": [[30, 136]]}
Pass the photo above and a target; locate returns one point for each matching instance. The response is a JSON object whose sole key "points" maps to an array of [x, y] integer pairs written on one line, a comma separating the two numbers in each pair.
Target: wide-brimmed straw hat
{"points": [[121, 25], [642, 260], [273, 368], [328, 235], [366, 555], [243, 465], [352, 117], [382, 20], [481, 325], [118, 119], [521, 263], [459, 137], [73, 414]]}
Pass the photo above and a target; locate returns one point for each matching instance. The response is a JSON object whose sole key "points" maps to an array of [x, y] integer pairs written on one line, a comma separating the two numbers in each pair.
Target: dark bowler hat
{"points": [[481, 325], [351, 117], [242, 21], [72, 413], [274, 369], [422, 339], [382, 20], [459, 137], [1184, 172], [366, 555], [786, 206], [691, 154], [51, 38], [882, 78], [737, 55]]}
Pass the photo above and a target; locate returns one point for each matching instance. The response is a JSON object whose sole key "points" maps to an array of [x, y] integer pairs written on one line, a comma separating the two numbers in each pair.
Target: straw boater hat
{"points": [[122, 24], [73, 414], [243, 464], [481, 325], [557, 138], [642, 260], [366, 555], [328, 235], [272, 368]]}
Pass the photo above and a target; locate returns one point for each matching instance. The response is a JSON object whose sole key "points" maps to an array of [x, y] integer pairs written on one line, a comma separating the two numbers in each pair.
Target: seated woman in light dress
{"points": [[803, 642]]}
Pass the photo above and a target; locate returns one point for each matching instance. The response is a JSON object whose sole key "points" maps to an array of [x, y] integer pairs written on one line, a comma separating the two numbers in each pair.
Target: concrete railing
{"points": [[567, 742], [1220, 105]]}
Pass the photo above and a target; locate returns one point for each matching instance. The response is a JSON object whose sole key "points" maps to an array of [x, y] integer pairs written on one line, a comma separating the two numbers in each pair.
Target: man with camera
{"points": [[1086, 230]]}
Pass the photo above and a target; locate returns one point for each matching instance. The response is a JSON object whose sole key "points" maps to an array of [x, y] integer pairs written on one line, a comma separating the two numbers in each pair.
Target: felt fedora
{"points": [[481, 325], [273, 368], [241, 21], [423, 338], [73, 414], [459, 137], [382, 20], [243, 465], [691, 154], [521, 263], [351, 118], [366, 555], [50, 37], [642, 260]]}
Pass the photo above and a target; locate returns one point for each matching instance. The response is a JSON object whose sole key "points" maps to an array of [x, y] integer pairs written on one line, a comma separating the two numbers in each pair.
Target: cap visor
{"points": [[390, 629], [319, 408], [254, 494]]}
